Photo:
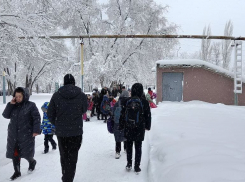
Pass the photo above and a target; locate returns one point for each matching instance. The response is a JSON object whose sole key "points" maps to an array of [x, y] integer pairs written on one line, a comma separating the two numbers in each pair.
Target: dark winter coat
{"points": [[24, 121], [138, 133], [95, 100], [118, 134], [66, 110], [114, 93], [101, 96]]}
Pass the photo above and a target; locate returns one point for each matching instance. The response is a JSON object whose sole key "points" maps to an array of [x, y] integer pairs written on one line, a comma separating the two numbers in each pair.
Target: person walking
{"points": [[65, 111], [48, 129], [114, 92], [95, 100], [119, 134], [23, 127], [149, 97], [135, 119], [104, 103]]}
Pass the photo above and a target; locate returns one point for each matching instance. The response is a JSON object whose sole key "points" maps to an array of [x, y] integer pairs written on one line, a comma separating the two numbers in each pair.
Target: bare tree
{"points": [[216, 47], [226, 45], [206, 45]]}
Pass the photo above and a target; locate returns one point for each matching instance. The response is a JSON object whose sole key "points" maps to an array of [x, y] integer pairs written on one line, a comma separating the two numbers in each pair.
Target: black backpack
{"points": [[134, 112]]}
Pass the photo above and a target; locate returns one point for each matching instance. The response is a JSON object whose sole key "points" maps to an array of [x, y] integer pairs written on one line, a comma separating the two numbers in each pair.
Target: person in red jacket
{"points": [[150, 96]]}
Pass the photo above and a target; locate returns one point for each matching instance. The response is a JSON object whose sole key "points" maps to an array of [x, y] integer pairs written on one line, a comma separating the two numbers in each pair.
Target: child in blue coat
{"points": [[118, 134], [48, 129]]}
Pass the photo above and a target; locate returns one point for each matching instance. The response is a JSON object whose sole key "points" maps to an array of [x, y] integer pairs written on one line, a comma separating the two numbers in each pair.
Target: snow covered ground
{"points": [[96, 161], [197, 142], [189, 142]]}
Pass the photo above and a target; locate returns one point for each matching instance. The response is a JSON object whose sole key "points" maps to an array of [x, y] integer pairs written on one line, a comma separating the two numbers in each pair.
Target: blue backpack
{"points": [[105, 107], [113, 122], [134, 112], [117, 112]]}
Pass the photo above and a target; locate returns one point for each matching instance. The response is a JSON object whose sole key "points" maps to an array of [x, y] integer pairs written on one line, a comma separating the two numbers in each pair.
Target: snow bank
{"points": [[197, 142]]}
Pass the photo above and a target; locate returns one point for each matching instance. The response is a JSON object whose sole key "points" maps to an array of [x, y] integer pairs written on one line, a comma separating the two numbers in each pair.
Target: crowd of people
{"points": [[128, 110]]}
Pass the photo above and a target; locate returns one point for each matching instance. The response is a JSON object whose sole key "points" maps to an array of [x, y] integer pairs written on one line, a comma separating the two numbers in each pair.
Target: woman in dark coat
{"points": [[103, 116], [96, 106], [24, 125], [135, 129]]}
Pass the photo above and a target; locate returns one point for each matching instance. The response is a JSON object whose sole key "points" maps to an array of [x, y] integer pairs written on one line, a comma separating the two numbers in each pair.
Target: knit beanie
{"points": [[69, 79]]}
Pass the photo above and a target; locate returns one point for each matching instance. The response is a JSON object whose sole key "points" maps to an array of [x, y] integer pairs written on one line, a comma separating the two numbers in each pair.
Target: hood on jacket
{"points": [[137, 90], [69, 91], [25, 93]]}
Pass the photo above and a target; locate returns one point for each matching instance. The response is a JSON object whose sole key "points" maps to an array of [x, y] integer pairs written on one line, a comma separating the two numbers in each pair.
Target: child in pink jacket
{"points": [[87, 115]]}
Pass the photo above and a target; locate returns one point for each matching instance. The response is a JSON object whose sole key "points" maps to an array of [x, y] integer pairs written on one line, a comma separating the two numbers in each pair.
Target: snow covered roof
{"points": [[195, 63]]}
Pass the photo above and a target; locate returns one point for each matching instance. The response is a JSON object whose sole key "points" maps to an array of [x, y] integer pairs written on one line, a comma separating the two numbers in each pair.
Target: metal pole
{"points": [[82, 73], [235, 99], [137, 36], [4, 89]]}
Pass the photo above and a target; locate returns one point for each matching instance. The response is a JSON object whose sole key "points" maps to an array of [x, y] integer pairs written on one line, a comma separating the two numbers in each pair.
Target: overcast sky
{"points": [[193, 15]]}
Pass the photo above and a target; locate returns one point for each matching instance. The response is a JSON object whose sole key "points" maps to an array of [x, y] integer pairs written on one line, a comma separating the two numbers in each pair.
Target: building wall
{"points": [[204, 85]]}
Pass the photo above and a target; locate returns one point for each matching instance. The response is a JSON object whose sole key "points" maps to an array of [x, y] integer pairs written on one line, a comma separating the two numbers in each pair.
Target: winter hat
{"points": [[137, 90], [124, 93], [69, 79], [103, 91], [25, 93]]}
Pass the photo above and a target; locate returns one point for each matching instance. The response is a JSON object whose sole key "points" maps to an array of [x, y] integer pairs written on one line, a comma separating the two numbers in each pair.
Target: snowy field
{"points": [[188, 142]]}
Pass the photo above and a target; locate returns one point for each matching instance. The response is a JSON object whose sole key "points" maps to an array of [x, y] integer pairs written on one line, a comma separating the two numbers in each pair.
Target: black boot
{"points": [[137, 169], [46, 150], [16, 163], [54, 146], [105, 119], [15, 176], [32, 165]]}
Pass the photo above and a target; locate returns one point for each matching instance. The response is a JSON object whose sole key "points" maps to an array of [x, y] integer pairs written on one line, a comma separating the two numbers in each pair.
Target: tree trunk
{"points": [[37, 88], [102, 82], [50, 87], [29, 84], [8, 89]]}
